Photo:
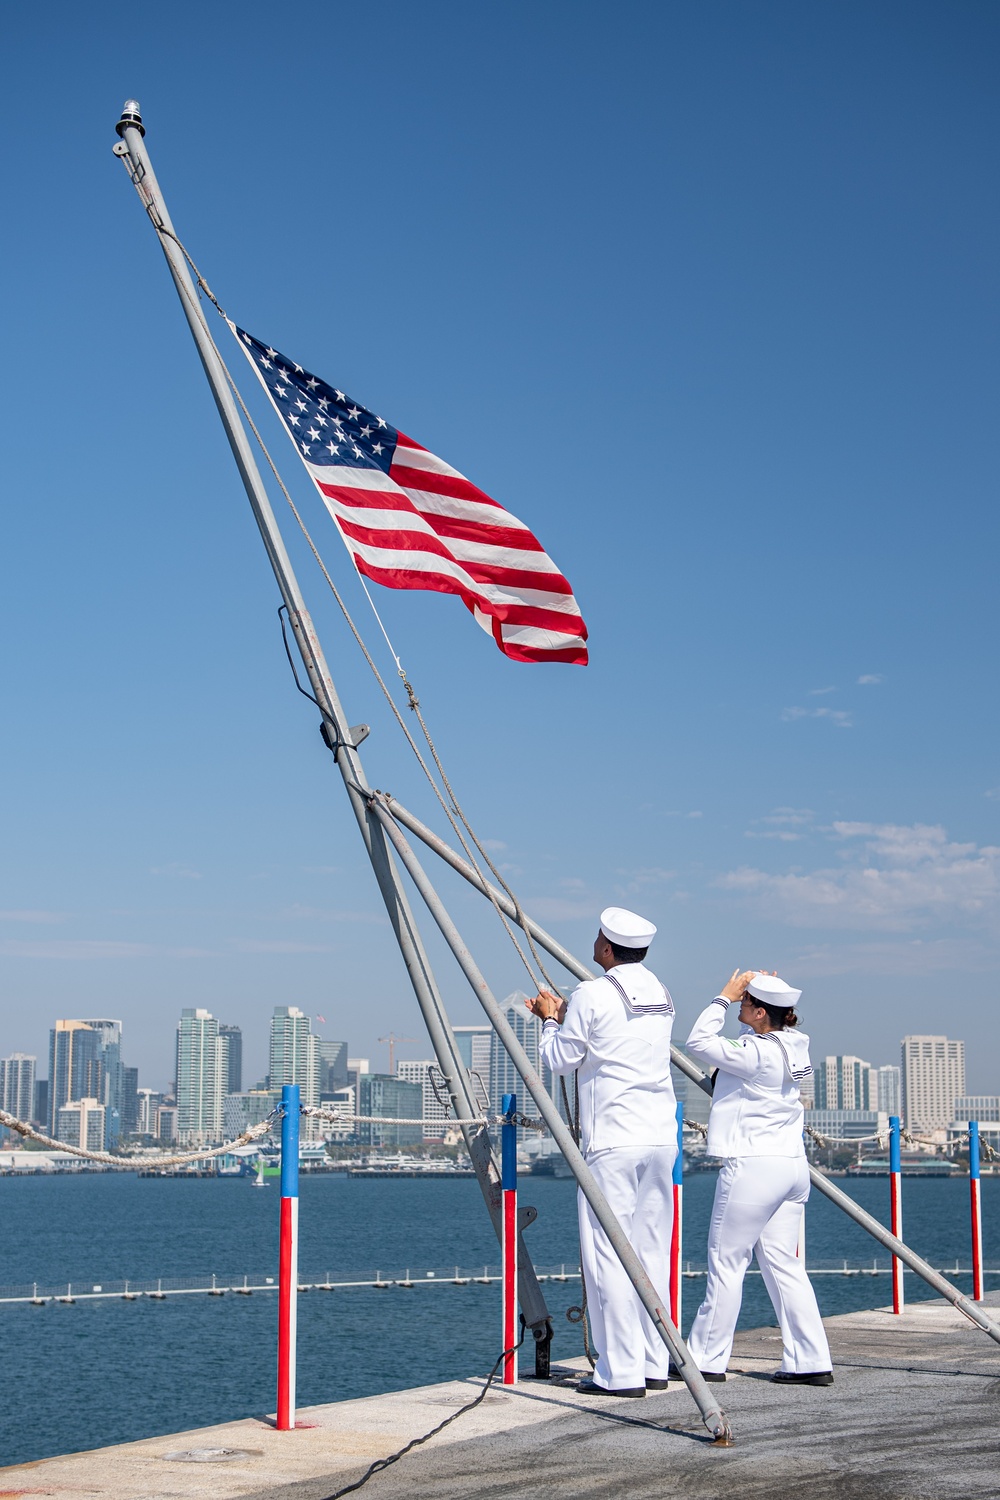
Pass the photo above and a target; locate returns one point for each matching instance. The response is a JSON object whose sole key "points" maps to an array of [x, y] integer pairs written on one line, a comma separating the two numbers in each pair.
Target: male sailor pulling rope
{"points": [[616, 1031]]}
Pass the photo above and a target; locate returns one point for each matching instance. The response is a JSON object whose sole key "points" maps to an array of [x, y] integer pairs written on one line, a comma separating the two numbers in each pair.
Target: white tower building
{"points": [[200, 1081]]}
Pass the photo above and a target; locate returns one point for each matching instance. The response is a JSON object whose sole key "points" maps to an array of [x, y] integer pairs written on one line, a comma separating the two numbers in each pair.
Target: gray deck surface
{"points": [[912, 1416]]}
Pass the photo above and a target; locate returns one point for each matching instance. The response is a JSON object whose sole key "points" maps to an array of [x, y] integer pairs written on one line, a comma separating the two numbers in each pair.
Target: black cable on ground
{"points": [[385, 1463]]}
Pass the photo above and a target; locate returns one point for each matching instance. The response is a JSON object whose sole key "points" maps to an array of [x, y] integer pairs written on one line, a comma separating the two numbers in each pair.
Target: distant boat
{"points": [[259, 1179]]}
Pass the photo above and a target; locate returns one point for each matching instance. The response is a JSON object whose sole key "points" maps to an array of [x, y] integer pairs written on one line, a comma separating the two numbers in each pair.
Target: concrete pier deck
{"points": [[913, 1415]]}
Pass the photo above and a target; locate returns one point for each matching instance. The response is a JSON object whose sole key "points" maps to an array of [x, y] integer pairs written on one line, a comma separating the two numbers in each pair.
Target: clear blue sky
{"points": [[707, 295]]}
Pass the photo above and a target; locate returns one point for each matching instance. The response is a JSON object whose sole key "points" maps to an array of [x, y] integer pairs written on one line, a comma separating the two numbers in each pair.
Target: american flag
{"points": [[411, 521]]}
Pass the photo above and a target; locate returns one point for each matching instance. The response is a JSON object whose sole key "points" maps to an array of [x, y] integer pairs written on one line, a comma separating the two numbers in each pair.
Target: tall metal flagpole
{"points": [[132, 145]]}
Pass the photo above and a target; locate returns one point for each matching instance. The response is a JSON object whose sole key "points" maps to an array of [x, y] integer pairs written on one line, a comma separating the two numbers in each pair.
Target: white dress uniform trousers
{"points": [[617, 1035], [756, 1126]]}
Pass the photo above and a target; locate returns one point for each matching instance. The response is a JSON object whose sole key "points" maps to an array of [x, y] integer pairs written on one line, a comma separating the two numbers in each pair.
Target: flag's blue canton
{"points": [[327, 426]]}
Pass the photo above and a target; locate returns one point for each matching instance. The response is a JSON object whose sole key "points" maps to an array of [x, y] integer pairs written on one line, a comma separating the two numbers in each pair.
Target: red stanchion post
{"points": [[896, 1210], [677, 1233], [508, 1239], [977, 1216]]}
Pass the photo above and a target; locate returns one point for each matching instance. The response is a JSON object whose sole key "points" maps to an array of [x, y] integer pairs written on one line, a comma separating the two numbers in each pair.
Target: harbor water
{"points": [[99, 1372]]}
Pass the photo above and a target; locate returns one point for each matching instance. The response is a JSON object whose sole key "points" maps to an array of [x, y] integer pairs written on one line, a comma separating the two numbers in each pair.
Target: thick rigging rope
{"points": [[455, 813], [130, 1163]]}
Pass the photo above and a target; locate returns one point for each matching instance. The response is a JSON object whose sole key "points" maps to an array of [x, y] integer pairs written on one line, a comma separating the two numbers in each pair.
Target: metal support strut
{"points": [[342, 739]]}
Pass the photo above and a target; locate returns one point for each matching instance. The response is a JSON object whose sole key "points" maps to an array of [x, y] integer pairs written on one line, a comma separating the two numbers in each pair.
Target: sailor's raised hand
{"points": [[736, 988], [547, 1006]]}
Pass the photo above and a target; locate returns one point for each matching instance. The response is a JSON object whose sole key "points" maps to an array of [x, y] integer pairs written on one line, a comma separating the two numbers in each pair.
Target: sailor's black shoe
{"points": [[658, 1385], [713, 1377], [793, 1377], [591, 1388]]}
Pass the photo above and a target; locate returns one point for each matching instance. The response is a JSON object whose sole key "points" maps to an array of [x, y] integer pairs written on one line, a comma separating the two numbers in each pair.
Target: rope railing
{"points": [[312, 1112], [129, 1163]]}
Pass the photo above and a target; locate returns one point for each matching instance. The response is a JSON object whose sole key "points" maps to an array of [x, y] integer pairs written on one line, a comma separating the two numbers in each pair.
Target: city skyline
{"points": [[210, 1100]]}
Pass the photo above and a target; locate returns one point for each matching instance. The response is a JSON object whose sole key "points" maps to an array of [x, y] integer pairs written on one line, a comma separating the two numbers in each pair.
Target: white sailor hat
{"points": [[770, 990], [625, 929]]}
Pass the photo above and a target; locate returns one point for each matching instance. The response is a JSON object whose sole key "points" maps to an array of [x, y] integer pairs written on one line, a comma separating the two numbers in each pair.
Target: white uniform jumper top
{"points": [[616, 1036], [756, 1126]]}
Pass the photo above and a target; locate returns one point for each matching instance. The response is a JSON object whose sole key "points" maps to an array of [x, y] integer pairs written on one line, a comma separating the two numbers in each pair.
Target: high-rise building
{"points": [[199, 1079], [433, 1100], [75, 1068], [474, 1044], [381, 1094], [147, 1112], [933, 1078], [845, 1083], [130, 1101], [40, 1107], [890, 1092], [231, 1038], [112, 1086], [332, 1066], [82, 1123], [504, 1077], [294, 1052], [17, 1087]]}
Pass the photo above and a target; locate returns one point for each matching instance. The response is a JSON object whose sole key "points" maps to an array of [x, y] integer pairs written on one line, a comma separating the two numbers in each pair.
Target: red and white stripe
{"points": [[896, 1225], [288, 1286], [425, 526], [508, 1255]]}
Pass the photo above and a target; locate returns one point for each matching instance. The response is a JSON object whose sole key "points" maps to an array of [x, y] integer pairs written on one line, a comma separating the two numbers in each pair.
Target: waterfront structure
{"points": [[890, 1090], [241, 1110], [17, 1087], [933, 1077], [847, 1125], [433, 1103], [983, 1108], [383, 1094], [199, 1079], [845, 1083], [231, 1042], [82, 1123]]}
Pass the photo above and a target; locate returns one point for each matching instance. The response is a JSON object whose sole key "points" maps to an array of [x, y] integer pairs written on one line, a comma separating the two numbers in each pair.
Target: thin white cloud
{"points": [[300, 912], [278, 945], [819, 692], [562, 909], [96, 948], [495, 846], [894, 957], [175, 871], [786, 824], [993, 794], [36, 918], [870, 679], [841, 717], [891, 877]]}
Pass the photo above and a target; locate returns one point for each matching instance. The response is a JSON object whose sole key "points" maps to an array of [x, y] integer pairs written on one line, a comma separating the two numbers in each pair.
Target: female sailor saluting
{"points": [[756, 1126]]}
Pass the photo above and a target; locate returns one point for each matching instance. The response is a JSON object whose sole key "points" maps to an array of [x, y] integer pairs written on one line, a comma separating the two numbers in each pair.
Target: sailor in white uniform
{"points": [[616, 1031], [756, 1127]]}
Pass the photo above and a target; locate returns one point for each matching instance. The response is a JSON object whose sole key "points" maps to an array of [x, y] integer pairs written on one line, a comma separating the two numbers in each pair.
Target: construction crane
{"points": [[392, 1039]]}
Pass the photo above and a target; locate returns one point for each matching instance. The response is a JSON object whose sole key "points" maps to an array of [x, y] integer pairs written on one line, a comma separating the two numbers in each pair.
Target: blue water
{"points": [[103, 1372]]}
